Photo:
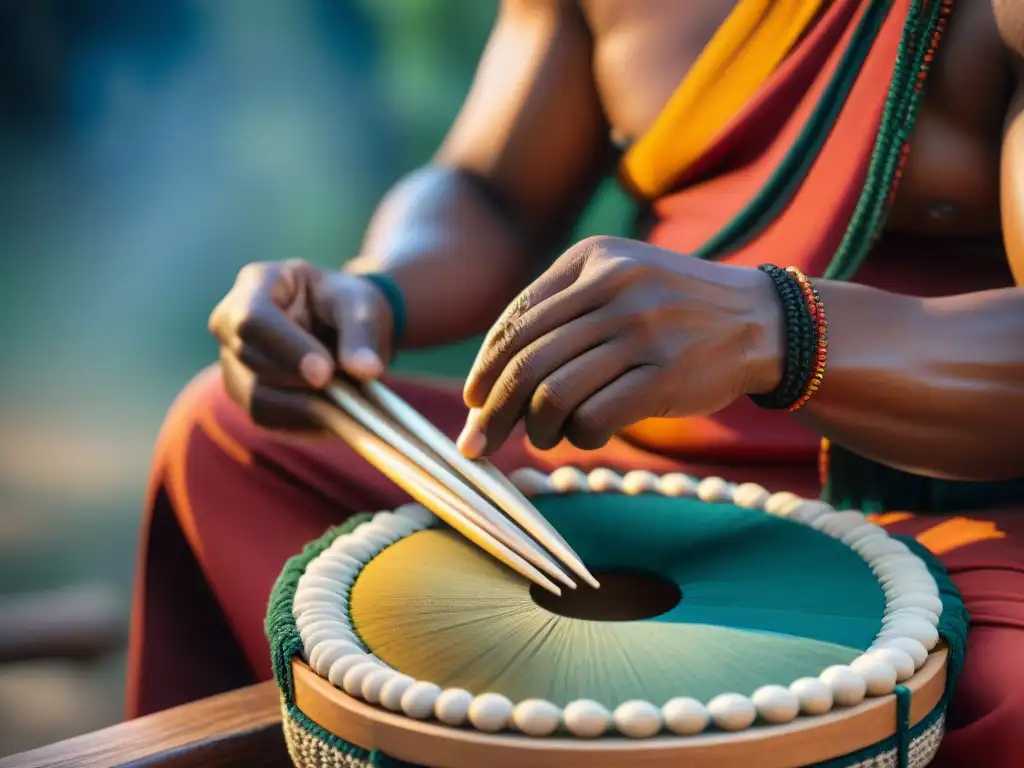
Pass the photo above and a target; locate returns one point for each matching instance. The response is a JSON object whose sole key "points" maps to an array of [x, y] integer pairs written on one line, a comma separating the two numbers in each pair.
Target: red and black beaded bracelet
{"points": [[806, 340]]}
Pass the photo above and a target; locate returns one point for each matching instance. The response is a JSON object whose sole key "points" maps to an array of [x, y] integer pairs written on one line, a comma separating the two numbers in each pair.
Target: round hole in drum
{"points": [[623, 596]]}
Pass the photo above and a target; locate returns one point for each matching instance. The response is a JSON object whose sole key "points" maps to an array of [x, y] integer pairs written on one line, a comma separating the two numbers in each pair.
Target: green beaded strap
{"points": [[396, 300], [925, 24]]}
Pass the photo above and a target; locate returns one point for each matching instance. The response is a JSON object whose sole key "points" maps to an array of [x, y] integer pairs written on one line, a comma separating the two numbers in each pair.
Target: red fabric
{"points": [[229, 503]]}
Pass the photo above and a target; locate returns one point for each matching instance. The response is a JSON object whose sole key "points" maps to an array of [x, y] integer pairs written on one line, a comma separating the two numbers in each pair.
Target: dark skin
{"points": [[616, 330]]}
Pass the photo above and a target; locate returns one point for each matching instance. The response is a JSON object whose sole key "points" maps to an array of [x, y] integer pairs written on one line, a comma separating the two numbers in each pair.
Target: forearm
{"points": [[932, 386], [457, 257]]}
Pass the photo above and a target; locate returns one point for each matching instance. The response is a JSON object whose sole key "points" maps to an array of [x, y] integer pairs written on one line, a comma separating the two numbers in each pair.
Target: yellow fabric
{"points": [[745, 51]]}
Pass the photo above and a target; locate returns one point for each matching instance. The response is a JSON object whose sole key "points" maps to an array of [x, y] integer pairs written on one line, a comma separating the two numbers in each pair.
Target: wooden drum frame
{"points": [[806, 741]]}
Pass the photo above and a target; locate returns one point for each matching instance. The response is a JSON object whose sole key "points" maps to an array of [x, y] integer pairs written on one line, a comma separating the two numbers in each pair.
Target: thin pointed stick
{"points": [[426, 490], [485, 476], [351, 401]]}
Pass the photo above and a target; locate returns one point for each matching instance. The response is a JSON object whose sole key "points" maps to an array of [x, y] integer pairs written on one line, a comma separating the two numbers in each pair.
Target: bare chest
{"points": [[644, 48]]}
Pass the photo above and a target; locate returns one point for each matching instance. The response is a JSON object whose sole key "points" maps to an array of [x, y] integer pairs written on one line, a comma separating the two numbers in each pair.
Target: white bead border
{"points": [[908, 633]]}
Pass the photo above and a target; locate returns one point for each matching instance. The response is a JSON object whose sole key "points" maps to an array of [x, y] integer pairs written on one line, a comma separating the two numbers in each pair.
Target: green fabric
{"points": [[284, 638], [858, 483]]}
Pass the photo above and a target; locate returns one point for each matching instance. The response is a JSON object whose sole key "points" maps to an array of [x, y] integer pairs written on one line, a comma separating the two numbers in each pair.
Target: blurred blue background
{"points": [[148, 150]]}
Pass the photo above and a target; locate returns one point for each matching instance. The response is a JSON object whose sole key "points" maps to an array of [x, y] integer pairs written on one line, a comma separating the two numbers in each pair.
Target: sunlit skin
{"points": [[617, 330]]}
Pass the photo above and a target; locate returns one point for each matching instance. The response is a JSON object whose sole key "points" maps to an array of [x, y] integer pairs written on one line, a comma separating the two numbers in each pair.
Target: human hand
{"points": [[288, 326], [617, 331]]}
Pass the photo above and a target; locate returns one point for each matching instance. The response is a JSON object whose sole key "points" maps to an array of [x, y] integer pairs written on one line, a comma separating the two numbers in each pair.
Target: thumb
{"points": [[358, 316]]}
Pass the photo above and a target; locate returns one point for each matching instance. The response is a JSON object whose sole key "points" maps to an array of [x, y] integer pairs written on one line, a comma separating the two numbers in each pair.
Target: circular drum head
{"points": [[720, 632]]}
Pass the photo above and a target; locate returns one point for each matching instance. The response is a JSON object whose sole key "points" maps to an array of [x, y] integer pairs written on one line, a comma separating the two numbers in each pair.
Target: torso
{"points": [[643, 49]]}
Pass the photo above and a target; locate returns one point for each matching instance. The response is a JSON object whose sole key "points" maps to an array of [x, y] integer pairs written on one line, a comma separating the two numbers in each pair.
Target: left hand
{"points": [[617, 331]]}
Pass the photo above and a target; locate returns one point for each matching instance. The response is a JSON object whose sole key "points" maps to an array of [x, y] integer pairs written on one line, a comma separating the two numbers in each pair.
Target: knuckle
{"points": [[551, 397], [586, 429], [521, 370]]}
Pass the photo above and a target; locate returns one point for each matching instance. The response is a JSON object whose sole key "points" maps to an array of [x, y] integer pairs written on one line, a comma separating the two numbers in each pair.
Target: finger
{"points": [[268, 407], [351, 305], [284, 343], [517, 382], [266, 371], [515, 332], [561, 393], [632, 397]]}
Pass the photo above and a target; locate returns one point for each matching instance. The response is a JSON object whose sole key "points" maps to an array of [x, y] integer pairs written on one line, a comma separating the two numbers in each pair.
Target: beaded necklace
{"points": [[926, 21]]}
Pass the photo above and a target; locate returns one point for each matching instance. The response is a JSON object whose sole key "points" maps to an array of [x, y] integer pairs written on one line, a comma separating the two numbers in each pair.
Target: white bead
{"points": [[393, 690], [732, 711], [585, 718], [750, 496], [418, 514], [899, 660], [809, 512], [776, 704], [320, 620], [862, 533], [841, 523], [898, 586], [568, 480], [914, 627], [326, 653], [530, 481], [782, 504], [341, 666], [685, 716], [333, 585], [354, 547], [490, 712], [334, 561], [318, 633], [452, 706], [603, 480], [814, 695], [639, 481], [419, 698], [879, 676], [712, 489], [908, 645], [310, 595], [848, 686], [916, 600], [393, 524], [677, 484], [637, 719], [891, 618], [379, 536], [374, 683], [353, 680], [536, 717]]}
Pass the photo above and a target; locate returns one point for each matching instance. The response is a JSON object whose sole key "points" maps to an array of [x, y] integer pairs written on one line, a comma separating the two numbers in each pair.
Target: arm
{"points": [[933, 386], [523, 157]]}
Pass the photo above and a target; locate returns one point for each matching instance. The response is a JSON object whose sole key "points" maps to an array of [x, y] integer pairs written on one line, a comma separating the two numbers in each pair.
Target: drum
{"points": [[733, 627]]}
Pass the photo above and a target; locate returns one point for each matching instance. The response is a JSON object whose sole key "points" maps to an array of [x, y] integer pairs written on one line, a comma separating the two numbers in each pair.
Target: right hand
{"points": [[288, 326]]}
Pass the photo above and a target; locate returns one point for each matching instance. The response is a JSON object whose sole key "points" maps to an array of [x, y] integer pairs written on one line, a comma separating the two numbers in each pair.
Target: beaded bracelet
{"points": [[396, 300], [817, 312], [806, 341]]}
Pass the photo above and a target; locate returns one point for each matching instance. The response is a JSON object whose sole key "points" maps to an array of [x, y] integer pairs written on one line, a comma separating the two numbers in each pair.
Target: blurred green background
{"points": [[148, 150]]}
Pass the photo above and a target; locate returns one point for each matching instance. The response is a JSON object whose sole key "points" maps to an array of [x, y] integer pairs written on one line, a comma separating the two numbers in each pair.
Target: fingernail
{"points": [[472, 441], [316, 370], [364, 364]]}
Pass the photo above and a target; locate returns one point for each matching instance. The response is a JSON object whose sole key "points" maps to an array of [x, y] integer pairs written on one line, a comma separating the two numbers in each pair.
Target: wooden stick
{"points": [[351, 400], [485, 476], [428, 491]]}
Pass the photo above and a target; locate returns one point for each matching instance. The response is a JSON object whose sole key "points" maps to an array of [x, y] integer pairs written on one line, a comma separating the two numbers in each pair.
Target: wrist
{"points": [[765, 347], [391, 301]]}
